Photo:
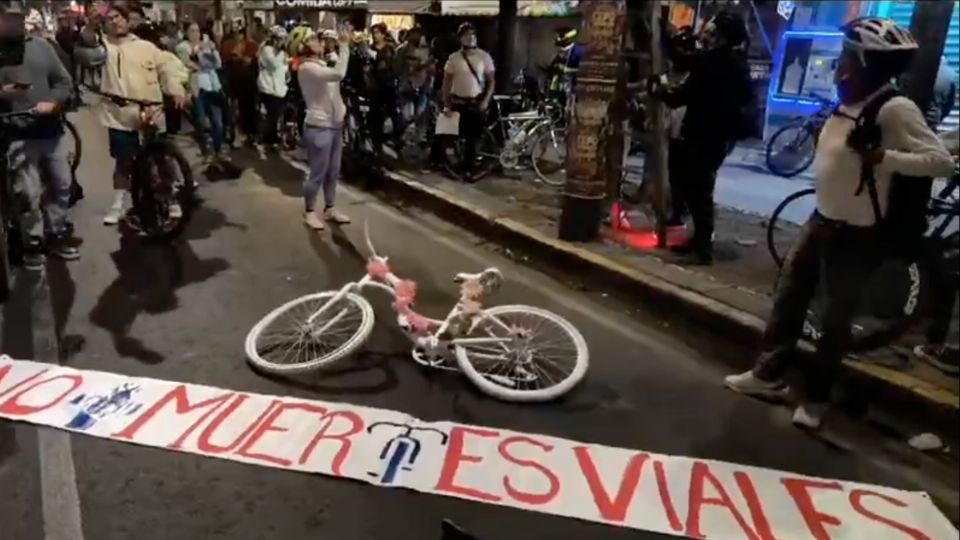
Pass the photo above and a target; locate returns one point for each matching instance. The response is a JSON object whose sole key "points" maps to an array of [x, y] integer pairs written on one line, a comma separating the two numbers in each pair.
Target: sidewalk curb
{"points": [[735, 323]]}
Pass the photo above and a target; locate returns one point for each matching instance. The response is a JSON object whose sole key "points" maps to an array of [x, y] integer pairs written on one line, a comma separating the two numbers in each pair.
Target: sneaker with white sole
{"points": [[334, 215], [313, 221], [748, 384], [113, 216], [809, 415], [175, 211], [939, 357]]}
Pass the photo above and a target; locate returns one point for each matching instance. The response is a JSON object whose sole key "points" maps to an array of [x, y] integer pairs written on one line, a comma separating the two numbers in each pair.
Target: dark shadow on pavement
{"points": [[274, 171], [363, 363], [63, 292], [148, 278]]}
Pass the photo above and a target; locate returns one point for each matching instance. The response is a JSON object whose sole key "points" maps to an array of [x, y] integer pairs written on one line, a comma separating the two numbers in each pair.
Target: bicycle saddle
{"points": [[491, 278]]}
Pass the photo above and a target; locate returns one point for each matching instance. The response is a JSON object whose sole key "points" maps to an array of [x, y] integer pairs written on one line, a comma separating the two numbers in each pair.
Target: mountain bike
{"points": [[161, 177], [900, 291], [791, 149], [514, 352], [11, 242]]}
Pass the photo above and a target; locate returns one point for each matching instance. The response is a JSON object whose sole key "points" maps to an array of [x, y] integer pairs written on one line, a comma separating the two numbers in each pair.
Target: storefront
{"points": [[321, 13]]}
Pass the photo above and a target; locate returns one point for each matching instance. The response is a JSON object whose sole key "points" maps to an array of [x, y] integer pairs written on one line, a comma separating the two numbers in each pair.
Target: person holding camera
{"points": [[39, 83]]}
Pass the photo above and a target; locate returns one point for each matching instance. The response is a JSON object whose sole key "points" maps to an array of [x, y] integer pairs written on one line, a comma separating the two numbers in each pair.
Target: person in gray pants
{"points": [[38, 157]]}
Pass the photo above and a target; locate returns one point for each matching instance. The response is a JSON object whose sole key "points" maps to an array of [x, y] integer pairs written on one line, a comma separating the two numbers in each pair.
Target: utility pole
{"points": [[506, 41], [591, 126], [655, 174], [931, 20]]}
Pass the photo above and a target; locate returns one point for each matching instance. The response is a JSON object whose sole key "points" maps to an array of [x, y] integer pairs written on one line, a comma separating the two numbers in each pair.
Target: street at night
{"points": [[181, 311]]}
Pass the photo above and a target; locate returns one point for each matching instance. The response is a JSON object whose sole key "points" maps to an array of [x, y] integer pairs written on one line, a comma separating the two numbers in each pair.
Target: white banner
{"points": [[681, 496]]}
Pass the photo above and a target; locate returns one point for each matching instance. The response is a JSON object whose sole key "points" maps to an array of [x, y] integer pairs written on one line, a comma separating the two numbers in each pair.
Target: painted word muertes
{"points": [[675, 495]]}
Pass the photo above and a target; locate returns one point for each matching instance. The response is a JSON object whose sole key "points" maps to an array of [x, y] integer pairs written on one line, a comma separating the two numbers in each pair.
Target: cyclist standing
{"points": [[840, 246], [137, 69], [38, 155], [200, 55]]}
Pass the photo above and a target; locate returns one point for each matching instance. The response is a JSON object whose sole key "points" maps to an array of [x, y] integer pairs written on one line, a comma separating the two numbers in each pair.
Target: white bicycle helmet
{"points": [[876, 35]]}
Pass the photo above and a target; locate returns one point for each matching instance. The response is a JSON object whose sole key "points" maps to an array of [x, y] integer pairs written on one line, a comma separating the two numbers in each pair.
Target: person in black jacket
{"points": [[715, 93]]}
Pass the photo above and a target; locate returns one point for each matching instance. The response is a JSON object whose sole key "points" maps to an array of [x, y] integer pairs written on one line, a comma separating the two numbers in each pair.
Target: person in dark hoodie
{"points": [[40, 84], [717, 94]]}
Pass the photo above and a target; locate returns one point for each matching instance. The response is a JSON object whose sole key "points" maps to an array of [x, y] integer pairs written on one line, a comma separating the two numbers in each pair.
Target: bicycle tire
{"points": [[77, 147], [772, 224], [486, 151], [148, 209], [557, 180], [807, 158]]}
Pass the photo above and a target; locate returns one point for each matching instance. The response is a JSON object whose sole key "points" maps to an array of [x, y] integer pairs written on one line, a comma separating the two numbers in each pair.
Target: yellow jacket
{"points": [[137, 69]]}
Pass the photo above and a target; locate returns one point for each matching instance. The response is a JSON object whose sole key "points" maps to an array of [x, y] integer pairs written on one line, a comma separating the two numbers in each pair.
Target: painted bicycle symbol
{"points": [[94, 408], [401, 451]]}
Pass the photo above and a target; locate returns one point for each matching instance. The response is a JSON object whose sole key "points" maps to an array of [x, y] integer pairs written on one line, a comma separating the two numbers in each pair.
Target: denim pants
{"points": [[324, 149], [208, 110], [40, 171], [841, 258]]}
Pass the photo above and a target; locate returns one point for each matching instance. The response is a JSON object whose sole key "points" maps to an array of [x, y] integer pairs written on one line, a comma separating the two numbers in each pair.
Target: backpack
{"points": [[905, 223]]}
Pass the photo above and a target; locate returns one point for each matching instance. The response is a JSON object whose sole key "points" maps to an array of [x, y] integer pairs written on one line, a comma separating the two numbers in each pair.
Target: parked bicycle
{"points": [[900, 291], [161, 177], [11, 242], [515, 353], [791, 149]]}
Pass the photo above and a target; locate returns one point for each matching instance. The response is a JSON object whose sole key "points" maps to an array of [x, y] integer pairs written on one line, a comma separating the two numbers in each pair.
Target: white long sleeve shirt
{"points": [[320, 86], [912, 149]]}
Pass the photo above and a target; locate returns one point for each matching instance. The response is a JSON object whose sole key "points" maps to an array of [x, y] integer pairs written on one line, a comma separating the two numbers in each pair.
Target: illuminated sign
{"points": [[321, 4]]}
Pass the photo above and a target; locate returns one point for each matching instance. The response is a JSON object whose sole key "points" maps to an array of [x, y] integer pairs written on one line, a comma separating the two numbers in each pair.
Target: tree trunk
{"points": [[591, 124], [506, 42], [931, 20]]}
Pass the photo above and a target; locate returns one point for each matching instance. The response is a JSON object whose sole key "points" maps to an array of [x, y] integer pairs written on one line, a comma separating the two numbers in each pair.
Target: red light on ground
{"points": [[642, 238]]}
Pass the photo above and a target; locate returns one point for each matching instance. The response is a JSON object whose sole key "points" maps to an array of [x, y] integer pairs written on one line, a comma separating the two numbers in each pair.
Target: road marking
{"points": [[566, 300], [58, 484]]}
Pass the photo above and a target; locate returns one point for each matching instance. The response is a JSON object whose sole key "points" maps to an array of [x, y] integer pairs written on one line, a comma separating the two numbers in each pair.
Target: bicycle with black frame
{"points": [[161, 180], [11, 241]]}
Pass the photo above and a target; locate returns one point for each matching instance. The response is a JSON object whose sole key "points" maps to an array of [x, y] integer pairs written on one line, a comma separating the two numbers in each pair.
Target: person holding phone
{"points": [[200, 55], [40, 84]]}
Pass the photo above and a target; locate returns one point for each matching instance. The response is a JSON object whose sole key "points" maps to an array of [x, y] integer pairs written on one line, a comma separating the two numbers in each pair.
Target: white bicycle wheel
{"points": [[285, 342], [549, 155], [552, 359]]}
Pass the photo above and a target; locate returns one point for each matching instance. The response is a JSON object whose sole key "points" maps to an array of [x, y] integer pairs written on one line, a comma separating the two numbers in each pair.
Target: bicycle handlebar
{"points": [[124, 100]]}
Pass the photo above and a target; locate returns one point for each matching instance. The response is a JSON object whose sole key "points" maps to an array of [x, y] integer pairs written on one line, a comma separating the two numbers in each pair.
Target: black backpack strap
{"points": [[866, 136]]}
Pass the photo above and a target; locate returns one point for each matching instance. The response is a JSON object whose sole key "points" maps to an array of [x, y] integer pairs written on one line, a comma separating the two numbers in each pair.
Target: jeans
{"points": [[841, 258], [208, 110], [40, 171], [274, 106], [324, 149], [384, 105]]}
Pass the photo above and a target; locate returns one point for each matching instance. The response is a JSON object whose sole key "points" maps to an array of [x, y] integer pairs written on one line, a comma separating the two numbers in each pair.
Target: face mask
{"points": [[469, 42]]}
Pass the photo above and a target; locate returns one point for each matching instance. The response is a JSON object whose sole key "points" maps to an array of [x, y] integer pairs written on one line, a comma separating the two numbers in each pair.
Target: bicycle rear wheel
{"points": [[161, 177], [286, 341], [548, 359], [785, 221], [549, 156], [791, 150], [488, 155], [74, 146]]}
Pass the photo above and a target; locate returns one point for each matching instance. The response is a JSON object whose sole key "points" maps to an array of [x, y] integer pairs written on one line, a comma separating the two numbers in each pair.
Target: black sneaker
{"points": [[34, 260], [64, 248], [941, 358]]}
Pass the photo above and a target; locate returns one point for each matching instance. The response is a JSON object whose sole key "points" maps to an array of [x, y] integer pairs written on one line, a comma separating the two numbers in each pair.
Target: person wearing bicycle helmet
{"points": [[565, 63], [839, 246], [40, 84]]}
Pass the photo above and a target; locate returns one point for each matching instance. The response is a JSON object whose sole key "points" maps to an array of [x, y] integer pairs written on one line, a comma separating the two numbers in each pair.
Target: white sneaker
{"points": [[334, 215], [748, 384], [174, 211], [313, 221], [809, 415], [116, 210]]}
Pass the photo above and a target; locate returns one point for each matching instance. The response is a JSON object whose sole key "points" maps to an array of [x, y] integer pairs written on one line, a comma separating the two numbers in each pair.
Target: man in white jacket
{"points": [[137, 69], [272, 81], [323, 127], [841, 244]]}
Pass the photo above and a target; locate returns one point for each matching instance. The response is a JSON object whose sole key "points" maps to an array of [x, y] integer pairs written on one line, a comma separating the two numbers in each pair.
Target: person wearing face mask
{"points": [[715, 92], [468, 82], [383, 96], [841, 243]]}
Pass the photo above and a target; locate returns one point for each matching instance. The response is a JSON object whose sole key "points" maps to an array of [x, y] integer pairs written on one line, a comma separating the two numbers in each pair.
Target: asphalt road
{"points": [[180, 312]]}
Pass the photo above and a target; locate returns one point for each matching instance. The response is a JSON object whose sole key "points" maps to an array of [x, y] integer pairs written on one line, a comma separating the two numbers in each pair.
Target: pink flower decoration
{"points": [[471, 290], [378, 270], [406, 289], [419, 323]]}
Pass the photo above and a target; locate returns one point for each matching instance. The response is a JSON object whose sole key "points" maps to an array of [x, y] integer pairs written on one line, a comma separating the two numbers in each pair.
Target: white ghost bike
{"points": [[514, 353]]}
